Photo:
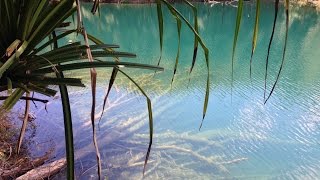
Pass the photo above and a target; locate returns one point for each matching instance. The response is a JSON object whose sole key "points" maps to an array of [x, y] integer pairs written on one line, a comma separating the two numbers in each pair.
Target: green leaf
{"points": [[160, 24], [50, 21], [67, 119], [9, 86], [41, 62], [276, 8], [111, 82], [178, 51], [83, 65], [94, 39], [62, 7], [13, 58], [206, 101], [67, 55], [12, 99], [21, 86], [42, 90], [26, 16], [112, 54], [95, 6], [150, 118], [44, 81], [36, 14], [195, 45], [284, 50], [52, 40], [65, 49], [9, 11], [235, 39], [103, 46], [255, 34], [206, 54], [67, 128], [98, 42]]}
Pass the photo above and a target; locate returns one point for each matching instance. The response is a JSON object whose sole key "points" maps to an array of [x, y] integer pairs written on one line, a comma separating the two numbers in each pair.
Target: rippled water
{"points": [[240, 140]]}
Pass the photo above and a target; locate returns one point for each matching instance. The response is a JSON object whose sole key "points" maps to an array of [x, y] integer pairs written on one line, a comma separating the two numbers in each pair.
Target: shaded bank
{"points": [[12, 165]]}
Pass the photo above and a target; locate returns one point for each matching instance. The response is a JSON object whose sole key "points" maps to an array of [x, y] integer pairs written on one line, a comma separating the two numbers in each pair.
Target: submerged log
{"points": [[45, 170]]}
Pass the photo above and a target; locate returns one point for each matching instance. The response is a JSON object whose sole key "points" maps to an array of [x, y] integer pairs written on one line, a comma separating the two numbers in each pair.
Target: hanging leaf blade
{"points": [[160, 24], [276, 8], [149, 105], [235, 39], [255, 34], [284, 50]]}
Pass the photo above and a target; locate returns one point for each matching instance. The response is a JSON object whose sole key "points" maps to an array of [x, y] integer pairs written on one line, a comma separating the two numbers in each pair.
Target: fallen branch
{"points": [[45, 170]]}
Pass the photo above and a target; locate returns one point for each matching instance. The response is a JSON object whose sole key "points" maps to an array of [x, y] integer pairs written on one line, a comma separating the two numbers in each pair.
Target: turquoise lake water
{"points": [[242, 139]]}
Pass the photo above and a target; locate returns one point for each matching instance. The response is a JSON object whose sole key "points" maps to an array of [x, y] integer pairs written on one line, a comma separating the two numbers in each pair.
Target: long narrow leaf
{"points": [[284, 50], [206, 54], [178, 50], [114, 70], [67, 118], [35, 15], [160, 24], [276, 8], [171, 8], [83, 65], [9, 86], [95, 6], [50, 22], [12, 99], [255, 34], [13, 58], [112, 79], [26, 16], [103, 46], [98, 42], [52, 40], [206, 100], [150, 119], [42, 90], [235, 39], [67, 128], [52, 81], [112, 54], [195, 45], [71, 56], [8, 11], [61, 5]]}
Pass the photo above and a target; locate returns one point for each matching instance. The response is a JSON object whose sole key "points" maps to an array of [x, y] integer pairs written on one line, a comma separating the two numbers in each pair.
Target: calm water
{"points": [[240, 140]]}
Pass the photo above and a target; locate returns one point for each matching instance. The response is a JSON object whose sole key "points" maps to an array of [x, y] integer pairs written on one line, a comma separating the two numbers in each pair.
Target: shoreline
{"points": [[313, 3]]}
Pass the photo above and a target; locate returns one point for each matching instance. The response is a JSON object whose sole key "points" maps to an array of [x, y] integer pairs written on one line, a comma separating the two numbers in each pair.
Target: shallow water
{"points": [[242, 139]]}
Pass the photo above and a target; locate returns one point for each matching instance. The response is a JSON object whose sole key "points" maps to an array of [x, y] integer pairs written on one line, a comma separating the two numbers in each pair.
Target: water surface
{"points": [[242, 139]]}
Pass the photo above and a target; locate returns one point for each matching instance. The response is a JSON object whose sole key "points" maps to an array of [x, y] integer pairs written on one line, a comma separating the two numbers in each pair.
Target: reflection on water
{"points": [[240, 140]]}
